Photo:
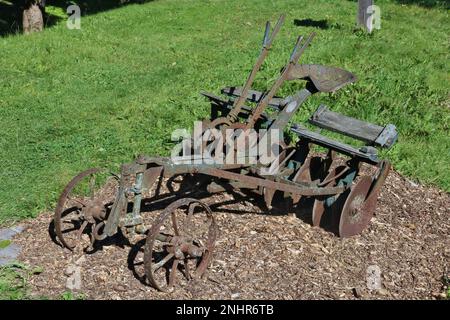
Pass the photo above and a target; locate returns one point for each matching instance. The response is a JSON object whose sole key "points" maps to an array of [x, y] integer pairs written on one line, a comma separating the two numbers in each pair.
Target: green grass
{"points": [[68, 295], [4, 243], [13, 282], [74, 99], [9, 288]]}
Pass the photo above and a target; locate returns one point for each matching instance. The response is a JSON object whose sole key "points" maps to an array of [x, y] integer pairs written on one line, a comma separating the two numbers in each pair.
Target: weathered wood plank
{"points": [[316, 138], [351, 127]]}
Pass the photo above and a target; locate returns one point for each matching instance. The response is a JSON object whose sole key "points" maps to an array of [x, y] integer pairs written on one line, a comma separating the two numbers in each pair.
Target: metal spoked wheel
{"points": [[83, 206], [181, 241]]}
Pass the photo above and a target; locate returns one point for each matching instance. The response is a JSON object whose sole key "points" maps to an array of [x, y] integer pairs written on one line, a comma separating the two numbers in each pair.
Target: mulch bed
{"points": [[274, 255]]}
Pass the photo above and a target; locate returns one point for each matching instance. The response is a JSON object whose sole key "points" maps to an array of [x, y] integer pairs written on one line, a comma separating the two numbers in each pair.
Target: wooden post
{"points": [[33, 19], [364, 19]]}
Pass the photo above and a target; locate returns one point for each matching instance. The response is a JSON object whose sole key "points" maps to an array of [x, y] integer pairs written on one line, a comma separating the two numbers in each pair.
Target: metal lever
{"points": [[295, 56], [267, 44], [297, 45], [266, 34], [296, 53]]}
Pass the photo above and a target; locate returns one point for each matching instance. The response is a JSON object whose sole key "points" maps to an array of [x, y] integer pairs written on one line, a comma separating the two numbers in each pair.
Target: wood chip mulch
{"points": [[275, 255]]}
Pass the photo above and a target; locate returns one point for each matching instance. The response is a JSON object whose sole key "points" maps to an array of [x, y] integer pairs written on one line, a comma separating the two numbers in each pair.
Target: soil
{"points": [[262, 254]]}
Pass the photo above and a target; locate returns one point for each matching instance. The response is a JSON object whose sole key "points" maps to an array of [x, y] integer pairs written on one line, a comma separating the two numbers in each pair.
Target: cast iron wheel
{"points": [[182, 241], [82, 207]]}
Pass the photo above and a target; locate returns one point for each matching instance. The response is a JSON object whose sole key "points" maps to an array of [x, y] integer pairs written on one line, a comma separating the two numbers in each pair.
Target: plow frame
{"points": [[337, 188]]}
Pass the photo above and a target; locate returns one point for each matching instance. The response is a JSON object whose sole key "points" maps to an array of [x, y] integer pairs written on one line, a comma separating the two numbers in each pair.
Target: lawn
{"points": [[75, 99]]}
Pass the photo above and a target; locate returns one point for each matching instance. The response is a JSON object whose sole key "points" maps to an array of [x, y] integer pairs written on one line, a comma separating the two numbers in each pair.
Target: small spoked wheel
{"points": [[180, 244], [83, 207]]}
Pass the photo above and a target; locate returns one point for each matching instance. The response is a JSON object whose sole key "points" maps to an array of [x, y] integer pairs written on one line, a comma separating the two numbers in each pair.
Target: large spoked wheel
{"points": [[83, 206], [180, 242]]}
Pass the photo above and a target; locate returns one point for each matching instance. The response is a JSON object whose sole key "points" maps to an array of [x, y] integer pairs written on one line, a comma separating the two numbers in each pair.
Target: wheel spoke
{"points": [[173, 273], [175, 224], [161, 263], [69, 230], [80, 232], [200, 247], [187, 269], [188, 224], [70, 206], [92, 187]]}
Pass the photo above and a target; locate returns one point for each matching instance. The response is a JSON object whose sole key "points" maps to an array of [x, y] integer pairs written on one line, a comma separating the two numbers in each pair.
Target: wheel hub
{"points": [[93, 210]]}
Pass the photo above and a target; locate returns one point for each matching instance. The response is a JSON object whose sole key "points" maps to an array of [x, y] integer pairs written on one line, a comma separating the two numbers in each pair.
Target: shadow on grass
{"points": [[11, 11], [321, 24]]}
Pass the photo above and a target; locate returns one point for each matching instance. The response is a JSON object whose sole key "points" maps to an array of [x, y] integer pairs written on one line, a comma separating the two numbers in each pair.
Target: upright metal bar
{"points": [[295, 56], [267, 44], [137, 197]]}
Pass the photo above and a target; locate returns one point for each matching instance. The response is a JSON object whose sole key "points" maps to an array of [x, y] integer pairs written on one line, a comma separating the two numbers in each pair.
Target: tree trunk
{"points": [[33, 19]]}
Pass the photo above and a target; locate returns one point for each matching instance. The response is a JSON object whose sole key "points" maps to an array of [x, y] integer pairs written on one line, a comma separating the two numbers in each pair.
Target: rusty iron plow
{"points": [[343, 183]]}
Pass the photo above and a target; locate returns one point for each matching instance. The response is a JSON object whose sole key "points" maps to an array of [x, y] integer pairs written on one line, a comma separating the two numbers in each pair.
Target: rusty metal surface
{"points": [[361, 202], [77, 214], [295, 56], [61, 209], [319, 203], [294, 188], [267, 44], [238, 104], [324, 78], [296, 172], [252, 96]]}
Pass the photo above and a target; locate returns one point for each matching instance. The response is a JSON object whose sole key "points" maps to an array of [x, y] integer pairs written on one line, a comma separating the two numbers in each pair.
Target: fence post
{"points": [[364, 18]]}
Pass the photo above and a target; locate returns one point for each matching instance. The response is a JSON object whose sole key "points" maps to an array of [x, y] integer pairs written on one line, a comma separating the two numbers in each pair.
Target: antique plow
{"points": [[344, 189]]}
